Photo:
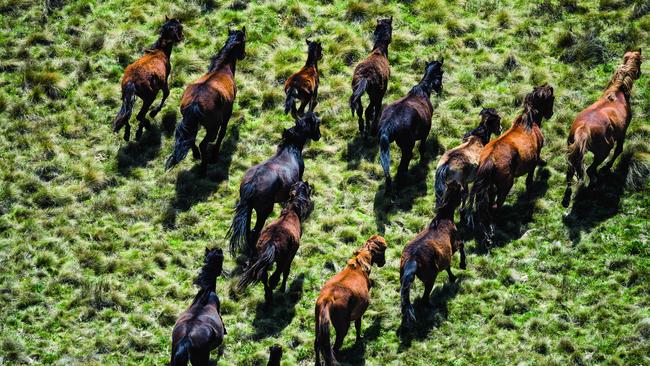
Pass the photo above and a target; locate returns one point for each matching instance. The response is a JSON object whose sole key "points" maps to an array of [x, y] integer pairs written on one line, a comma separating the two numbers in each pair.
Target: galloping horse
{"points": [[460, 163], [602, 124], [279, 242], [345, 297], [303, 85], [145, 77], [200, 328], [431, 251], [208, 102], [511, 155], [408, 120], [371, 76], [269, 181]]}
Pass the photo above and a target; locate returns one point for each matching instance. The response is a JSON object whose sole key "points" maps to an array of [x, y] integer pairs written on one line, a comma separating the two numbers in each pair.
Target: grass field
{"points": [[99, 245]]}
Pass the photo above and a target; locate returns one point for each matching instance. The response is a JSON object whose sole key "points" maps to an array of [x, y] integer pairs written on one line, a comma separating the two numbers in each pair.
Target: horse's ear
{"points": [[442, 60], [391, 19], [307, 41], [166, 18], [207, 250], [244, 29]]}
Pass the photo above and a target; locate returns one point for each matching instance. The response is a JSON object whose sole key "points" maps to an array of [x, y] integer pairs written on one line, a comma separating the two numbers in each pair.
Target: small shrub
{"points": [[357, 10], [587, 48], [503, 19]]}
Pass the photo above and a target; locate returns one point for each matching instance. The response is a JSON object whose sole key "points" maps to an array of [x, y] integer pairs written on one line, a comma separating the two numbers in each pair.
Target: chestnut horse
{"points": [[511, 155], [303, 85], [345, 297], [460, 163], [269, 181], [602, 125], [279, 242], [275, 356], [371, 76], [208, 102], [408, 120], [145, 77], [431, 251], [200, 328]]}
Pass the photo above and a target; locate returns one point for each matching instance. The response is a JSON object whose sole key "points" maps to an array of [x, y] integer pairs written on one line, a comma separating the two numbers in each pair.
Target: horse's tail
{"points": [[440, 184], [384, 155], [128, 99], [322, 344], [479, 198], [290, 102], [356, 94], [576, 150], [254, 272], [408, 275], [182, 355], [238, 232], [185, 134]]}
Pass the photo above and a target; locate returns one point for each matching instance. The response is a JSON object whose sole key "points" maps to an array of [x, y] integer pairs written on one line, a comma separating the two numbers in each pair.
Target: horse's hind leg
{"points": [[359, 108], [313, 102], [593, 168], [370, 116], [268, 291], [357, 328], [617, 152], [376, 115], [196, 153], [342, 326], [567, 192], [262, 214], [210, 135], [529, 180], [407, 155], [165, 90], [301, 109], [142, 116]]}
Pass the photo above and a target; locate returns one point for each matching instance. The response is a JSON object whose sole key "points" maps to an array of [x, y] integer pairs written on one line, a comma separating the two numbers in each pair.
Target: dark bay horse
{"points": [[269, 181], [371, 76], [303, 85], [602, 124], [408, 120], [513, 154], [145, 77], [460, 163], [275, 356], [430, 252], [278, 243], [208, 102], [345, 297], [200, 328]]}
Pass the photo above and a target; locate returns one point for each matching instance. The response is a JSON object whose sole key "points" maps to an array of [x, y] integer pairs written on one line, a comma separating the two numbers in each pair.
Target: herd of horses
{"points": [[490, 166]]}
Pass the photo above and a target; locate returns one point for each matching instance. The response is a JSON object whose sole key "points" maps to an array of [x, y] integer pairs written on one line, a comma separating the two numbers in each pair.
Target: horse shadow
{"points": [[355, 355], [428, 316], [592, 205], [361, 148], [414, 186], [270, 321], [196, 185], [138, 153]]}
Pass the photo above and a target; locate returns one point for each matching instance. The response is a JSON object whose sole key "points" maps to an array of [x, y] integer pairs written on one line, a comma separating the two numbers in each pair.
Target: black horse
{"points": [[268, 182], [408, 120]]}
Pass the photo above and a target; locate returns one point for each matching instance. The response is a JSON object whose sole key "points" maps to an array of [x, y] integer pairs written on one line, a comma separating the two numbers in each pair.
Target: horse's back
{"points": [[212, 91], [304, 81], [147, 73], [375, 70]]}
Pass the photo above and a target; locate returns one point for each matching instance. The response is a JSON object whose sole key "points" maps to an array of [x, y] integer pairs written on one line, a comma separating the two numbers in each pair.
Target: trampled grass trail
{"points": [[99, 245]]}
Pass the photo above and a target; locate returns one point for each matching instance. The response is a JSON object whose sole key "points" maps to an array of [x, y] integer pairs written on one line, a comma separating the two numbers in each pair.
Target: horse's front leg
{"points": [[210, 135], [567, 192], [262, 215], [165, 90], [314, 100], [529, 180]]}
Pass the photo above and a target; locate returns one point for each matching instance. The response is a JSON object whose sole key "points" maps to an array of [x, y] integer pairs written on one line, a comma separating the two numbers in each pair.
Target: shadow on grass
{"points": [[271, 321], [361, 148], [415, 186], [138, 153], [591, 206], [193, 186], [356, 355], [429, 316]]}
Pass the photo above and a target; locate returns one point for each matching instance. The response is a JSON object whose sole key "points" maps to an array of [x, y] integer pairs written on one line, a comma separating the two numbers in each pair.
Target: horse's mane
{"points": [[532, 104], [212, 267], [624, 77], [375, 244], [223, 56], [294, 135]]}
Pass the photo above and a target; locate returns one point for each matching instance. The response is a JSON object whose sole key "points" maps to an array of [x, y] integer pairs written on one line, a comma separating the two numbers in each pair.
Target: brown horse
{"points": [[511, 155], [208, 102], [460, 163], [275, 356], [371, 76], [200, 328], [269, 182], [345, 297], [602, 125], [145, 77], [431, 251], [408, 120], [279, 242], [303, 85]]}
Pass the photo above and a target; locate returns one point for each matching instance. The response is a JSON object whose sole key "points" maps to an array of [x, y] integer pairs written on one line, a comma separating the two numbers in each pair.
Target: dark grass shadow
{"points": [[511, 220], [271, 321], [139, 153], [193, 186], [414, 186], [361, 148], [594, 205], [356, 355], [428, 316]]}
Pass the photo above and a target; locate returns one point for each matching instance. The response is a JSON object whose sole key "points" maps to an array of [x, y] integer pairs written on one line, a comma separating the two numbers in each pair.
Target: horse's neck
{"points": [[381, 46], [311, 60], [165, 46]]}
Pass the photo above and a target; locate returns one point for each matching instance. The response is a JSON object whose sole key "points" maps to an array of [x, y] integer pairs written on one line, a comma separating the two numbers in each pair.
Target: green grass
{"points": [[99, 246]]}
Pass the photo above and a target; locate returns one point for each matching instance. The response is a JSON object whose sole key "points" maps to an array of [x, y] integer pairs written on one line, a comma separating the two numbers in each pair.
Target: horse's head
{"points": [[491, 120], [433, 74], [634, 60], [540, 100], [300, 196], [237, 43], [376, 244], [314, 50], [311, 121], [172, 30], [384, 31], [214, 260], [275, 355]]}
